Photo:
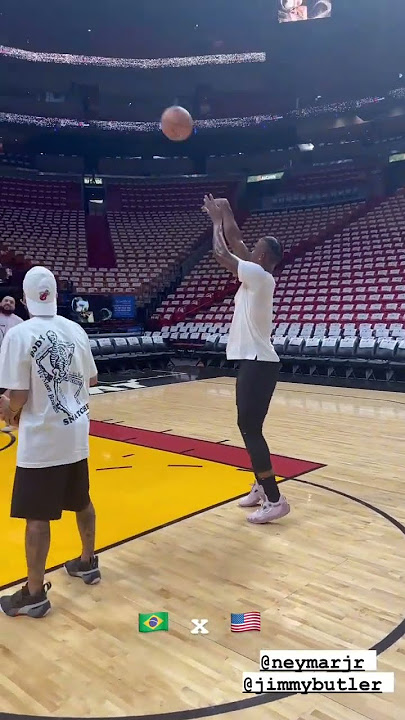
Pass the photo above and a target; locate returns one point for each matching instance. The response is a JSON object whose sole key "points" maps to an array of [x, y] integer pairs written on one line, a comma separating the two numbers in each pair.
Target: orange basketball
{"points": [[177, 124]]}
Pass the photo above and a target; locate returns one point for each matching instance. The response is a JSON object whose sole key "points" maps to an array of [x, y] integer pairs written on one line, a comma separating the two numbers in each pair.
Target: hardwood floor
{"points": [[331, 575]]}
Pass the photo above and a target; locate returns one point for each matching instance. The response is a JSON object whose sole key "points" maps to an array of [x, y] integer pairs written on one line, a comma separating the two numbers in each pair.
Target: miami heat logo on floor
{"points": [[129, 467]]}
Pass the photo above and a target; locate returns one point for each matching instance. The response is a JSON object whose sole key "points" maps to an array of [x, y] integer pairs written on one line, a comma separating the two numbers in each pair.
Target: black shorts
{"points": [[43, 493]]}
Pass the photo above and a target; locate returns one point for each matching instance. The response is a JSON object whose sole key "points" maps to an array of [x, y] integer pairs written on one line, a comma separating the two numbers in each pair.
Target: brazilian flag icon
{"points": [[154, 622]]}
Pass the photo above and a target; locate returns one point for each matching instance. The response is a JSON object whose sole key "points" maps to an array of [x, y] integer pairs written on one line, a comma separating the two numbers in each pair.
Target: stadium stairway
{"points": [[100, 248]]}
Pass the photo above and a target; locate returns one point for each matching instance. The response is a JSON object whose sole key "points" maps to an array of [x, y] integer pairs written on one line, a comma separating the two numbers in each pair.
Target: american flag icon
{"points": [[242, 622]]}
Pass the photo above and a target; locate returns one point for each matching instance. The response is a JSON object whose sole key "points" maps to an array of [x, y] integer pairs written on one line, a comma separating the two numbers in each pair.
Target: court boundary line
{"points": [[261, 699], [12, 440], [118, 543]]}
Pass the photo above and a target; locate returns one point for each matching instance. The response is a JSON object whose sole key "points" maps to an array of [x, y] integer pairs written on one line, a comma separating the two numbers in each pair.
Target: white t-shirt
{"points": [[6, 323], [252, 324], [51, 357]]}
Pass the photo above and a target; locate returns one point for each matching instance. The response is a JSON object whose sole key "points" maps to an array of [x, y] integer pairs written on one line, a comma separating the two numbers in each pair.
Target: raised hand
{"points": [[223, 203], [212, 209]]}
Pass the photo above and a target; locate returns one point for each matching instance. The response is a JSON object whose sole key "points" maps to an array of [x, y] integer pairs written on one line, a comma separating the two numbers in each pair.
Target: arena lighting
{"points": [[140, 63], [116, 125], [58, 123]]}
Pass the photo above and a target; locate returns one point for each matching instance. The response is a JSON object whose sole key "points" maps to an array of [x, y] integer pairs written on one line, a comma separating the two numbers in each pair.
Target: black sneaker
{"points": [[22, 603], [88, 572]]}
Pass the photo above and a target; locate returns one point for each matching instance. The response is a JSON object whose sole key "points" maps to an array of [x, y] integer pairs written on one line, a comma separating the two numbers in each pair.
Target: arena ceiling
{"points": [[357, 52], [135, 28], [365, 36]]}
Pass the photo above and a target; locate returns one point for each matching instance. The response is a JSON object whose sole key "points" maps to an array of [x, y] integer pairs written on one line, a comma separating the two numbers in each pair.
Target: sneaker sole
{"points": [[80, 577], [266, 522], [244, 503], [34, 615]]}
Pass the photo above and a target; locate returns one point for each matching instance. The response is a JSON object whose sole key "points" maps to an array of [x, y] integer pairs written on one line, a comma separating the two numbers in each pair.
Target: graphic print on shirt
{"points": [[53, 359]]}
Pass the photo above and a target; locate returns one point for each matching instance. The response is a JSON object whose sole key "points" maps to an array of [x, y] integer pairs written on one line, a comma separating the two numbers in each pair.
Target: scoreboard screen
{"points": [[294, 10]]}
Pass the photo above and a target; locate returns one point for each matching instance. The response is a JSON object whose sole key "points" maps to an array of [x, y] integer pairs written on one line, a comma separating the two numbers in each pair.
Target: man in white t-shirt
{"points": [[249, 342], [47, 366]]}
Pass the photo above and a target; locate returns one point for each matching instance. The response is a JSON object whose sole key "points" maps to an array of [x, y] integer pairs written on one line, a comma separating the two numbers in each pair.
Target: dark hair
{"points": [[274, 247]]}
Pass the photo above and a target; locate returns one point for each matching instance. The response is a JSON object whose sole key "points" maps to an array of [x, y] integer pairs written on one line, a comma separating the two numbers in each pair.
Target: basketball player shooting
{"points": [[249, 343]]}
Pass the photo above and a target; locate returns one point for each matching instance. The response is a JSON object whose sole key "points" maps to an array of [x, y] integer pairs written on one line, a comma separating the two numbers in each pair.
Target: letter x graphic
{"points": [[199, 627]]}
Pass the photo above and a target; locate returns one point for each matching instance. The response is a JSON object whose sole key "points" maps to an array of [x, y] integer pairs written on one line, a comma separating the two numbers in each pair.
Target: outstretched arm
{"points": [[219, 246], [232, 231], [221, 252]]}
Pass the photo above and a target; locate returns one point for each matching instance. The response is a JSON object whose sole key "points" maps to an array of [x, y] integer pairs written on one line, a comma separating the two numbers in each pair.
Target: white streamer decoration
{"points": [[241, 122], [129, 126], [140, 64]]}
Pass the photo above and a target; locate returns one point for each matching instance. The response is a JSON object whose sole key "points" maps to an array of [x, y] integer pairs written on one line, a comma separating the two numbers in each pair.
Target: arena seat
{"points": [[121, 346], [352, 282], [327, 351], [360, 363], [356, 276], [55, 238], [45, 222], [365, 351], [106, 347], [168, 196], [147, 345], [384, 352], [280, 343], [210, 348], [129, 351], [397, 364], [310, 352], [208, 280], [345, 352], [95, 348], [295, 346], [44, 194], [333, 358], [384, 355]]}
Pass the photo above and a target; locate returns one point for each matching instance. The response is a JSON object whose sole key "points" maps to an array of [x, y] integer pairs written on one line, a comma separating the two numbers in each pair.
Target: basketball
{"points": [[177, 124]]}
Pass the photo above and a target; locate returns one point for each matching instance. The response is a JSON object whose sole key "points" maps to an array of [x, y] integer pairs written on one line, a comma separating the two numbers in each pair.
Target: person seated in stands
{"points": [[8, 318]]}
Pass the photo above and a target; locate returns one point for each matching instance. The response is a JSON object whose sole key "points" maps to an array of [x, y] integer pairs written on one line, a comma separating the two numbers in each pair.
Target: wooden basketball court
{"points": [[167, 468]]}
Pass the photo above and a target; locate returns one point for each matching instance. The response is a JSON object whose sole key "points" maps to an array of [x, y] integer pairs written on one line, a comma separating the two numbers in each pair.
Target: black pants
{"points": [[255, 386]]}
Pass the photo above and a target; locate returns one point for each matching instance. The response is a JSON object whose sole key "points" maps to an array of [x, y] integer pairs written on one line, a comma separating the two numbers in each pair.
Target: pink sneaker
{"points": [[254, 498], [270, 511]]}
